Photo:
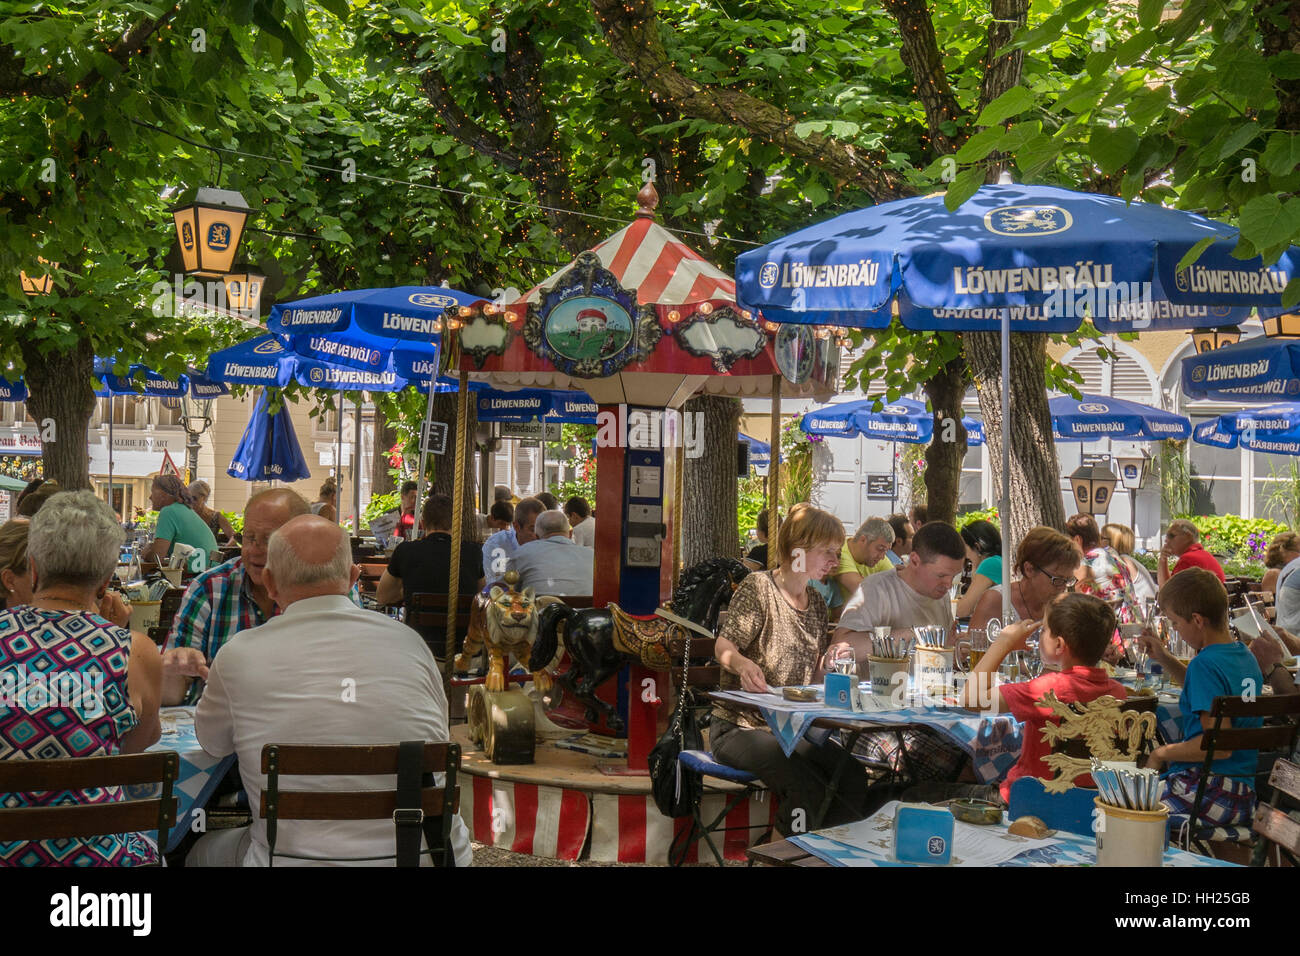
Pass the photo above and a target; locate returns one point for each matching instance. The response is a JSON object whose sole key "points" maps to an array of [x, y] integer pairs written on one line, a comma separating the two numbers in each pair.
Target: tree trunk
{"points": [[443, 479], [1035, 471], [59, 390], [944, 455], [385, 437], [709, 482]]}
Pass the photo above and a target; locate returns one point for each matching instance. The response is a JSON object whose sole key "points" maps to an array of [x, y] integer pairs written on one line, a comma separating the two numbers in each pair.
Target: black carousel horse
{"points": [[601, 640]]}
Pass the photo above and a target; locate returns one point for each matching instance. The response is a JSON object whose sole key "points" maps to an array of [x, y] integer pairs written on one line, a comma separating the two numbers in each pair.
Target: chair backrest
{"points": [[428, 611], [436, 804], [1077, 747], [1273, 823], [1268, 737], [76, 821]]}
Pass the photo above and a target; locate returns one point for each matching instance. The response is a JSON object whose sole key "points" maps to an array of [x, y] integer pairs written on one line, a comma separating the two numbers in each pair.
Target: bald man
{"points": [[225, 600], [324, 672]]}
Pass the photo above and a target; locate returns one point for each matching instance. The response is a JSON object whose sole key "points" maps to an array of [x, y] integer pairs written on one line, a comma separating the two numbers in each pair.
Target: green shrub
{"points": [[987, 514], [1228, 534], [236, 520], [750, 502], [381, 504]]}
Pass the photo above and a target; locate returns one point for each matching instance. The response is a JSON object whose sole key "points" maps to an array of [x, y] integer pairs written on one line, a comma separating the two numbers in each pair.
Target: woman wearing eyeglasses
{"points": [[1045, 568]]}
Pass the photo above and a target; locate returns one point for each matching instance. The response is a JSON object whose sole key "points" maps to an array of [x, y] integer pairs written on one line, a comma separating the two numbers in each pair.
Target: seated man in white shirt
{"points": [[498, 548], [912, 595], [325, 672], [553, 564]]}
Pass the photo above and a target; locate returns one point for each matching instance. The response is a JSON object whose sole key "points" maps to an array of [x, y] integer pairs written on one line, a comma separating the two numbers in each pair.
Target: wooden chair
{"points": [[1057, 801], [79, 821], [427, 612], [1274, 825], [418, 807], [1280, 737], [167, 611]]}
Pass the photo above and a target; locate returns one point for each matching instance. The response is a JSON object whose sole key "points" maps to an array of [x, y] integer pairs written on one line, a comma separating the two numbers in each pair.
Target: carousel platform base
{"points": [[562, 806]]}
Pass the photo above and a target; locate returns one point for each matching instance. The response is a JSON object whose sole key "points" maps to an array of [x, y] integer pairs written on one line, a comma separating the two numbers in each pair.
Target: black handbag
{"points": [[676, 789]]}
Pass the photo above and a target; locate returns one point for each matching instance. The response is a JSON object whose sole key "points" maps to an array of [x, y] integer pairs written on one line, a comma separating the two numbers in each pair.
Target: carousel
{"points": [[640, 323]]}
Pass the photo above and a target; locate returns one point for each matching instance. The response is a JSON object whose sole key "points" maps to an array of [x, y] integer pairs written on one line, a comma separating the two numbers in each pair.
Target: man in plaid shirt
{"points": [[226, 599]]}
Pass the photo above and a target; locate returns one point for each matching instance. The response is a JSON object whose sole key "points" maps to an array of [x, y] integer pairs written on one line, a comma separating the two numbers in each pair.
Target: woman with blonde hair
{"points": [[324, 505], [15, 573], [1282, 550], [776, 636], [1120, 538]]}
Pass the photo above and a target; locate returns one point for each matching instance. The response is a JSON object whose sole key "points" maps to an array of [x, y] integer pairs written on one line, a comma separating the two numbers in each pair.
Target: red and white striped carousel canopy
{"points": [[661, 268]]}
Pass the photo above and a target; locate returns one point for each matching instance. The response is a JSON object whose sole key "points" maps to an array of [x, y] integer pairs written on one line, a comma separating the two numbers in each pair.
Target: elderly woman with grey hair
{"points": [[200, 491], [102, 696]]}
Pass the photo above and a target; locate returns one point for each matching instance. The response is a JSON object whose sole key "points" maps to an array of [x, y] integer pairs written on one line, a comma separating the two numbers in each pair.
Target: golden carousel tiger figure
{"points": [[504, 621]]}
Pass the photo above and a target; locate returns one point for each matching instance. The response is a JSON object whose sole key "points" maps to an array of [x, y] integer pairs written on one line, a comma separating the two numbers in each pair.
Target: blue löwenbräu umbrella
{"points": [[1274, 429], [1091, 417], [269, 449], [1029, 258], [361, 328], [1251, 370], [906, 420]]}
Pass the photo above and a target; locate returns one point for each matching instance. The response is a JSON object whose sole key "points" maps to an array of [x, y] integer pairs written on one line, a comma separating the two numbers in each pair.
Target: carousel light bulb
{"points": [[705, 308], [772, 327], [822, 332], [466, 311], [453, 325], [674, 316], [490, 309], [745, 314]]}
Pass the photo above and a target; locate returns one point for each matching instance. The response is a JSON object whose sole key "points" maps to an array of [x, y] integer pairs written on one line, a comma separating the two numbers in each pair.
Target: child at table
{"points": [[1074, 636], [1196, 604]]}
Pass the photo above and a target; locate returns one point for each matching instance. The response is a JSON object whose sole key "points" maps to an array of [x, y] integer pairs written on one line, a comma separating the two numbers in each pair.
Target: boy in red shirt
{"points": [[1074, 636]]}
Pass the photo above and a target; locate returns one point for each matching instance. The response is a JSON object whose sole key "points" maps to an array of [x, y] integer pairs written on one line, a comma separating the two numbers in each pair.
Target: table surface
{"points": [[199, 772]]}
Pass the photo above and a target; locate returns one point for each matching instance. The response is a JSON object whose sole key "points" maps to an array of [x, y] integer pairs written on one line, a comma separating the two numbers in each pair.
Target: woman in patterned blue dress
{"points": [[72, 683]]}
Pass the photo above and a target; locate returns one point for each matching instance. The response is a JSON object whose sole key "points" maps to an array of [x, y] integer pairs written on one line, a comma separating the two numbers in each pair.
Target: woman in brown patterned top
{"points": [[776, 636]]}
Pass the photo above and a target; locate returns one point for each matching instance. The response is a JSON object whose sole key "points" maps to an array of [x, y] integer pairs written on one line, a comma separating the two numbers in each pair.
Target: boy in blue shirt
{"points": [[1196, 604]]}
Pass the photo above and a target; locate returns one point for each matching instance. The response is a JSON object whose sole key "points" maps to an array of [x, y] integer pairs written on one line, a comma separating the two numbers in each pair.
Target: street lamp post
{"points": [[196, 418]]}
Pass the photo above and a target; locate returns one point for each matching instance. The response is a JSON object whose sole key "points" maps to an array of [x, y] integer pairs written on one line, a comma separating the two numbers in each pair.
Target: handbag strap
{"points": [[681, 694]]}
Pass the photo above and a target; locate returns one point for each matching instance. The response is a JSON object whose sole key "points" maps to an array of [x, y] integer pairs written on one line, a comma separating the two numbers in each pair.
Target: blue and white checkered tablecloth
{"points": [[1169, 719], [198, 775], [1071, 849], [992, 741]]}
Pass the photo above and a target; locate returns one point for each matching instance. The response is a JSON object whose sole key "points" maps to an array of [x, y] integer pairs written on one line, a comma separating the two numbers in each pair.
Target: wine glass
{"points": [[841, 660]]}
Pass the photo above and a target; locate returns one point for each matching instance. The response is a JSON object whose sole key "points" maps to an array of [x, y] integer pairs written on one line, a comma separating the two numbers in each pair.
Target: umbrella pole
{"points": [[338, 463], [893, 475], [774, 475], [356, 470], [424, 451], [1004, 510], [110, 458], [457, 525]]}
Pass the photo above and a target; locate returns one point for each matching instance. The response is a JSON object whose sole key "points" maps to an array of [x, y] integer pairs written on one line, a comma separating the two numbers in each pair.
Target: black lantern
{"points": [[1093, 486], [1283, 326], [1207, 340], [42, 284], [244, 291], [209, 229]]}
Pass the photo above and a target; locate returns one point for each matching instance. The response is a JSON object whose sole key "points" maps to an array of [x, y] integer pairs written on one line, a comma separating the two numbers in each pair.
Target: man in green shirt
{"points": [[177, 521], [864, 554]]}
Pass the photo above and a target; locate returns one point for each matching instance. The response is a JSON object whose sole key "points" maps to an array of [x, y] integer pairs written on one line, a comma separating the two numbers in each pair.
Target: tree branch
{"points": [[631, 28], [465, 129], [920, 54]]}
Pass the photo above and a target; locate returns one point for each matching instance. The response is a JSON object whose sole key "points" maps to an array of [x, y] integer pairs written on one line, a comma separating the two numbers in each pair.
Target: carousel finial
{"points": [[647, 199]]}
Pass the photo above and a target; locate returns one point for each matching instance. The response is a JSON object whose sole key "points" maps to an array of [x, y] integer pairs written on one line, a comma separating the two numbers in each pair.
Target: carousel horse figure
{"points": [[600, 640]]}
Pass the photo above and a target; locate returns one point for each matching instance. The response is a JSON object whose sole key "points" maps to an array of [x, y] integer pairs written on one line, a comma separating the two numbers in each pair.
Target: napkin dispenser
{"points": [[842, 691], [923, 834]]}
